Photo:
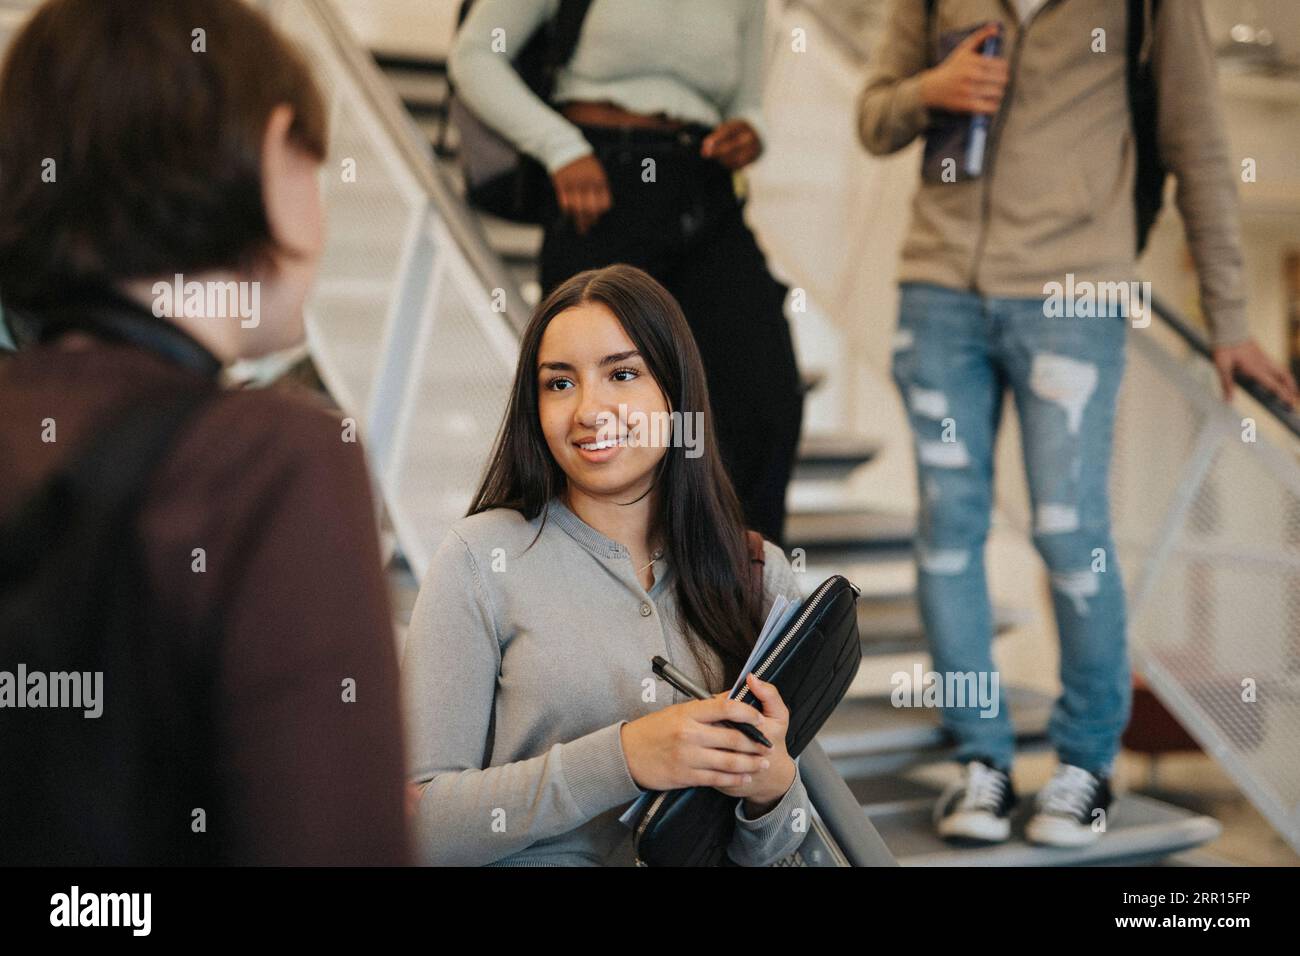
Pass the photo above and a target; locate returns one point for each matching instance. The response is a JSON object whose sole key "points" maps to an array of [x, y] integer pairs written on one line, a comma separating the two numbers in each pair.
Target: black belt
{"points": [[687, 137]]}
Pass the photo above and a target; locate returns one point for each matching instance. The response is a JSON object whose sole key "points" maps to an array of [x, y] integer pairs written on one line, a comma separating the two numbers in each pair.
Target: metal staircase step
{"points": [[889, 618], [881, 577], [832, 457], [850, 536], [893, 625], [421, 91], [1140, 830], [868, 736], [513, 241], [388, 60]]}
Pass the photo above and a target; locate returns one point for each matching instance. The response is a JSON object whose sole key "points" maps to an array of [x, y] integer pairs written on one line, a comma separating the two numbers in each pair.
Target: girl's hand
{"points": [[733, 143], [685, 746], [769, 785]]}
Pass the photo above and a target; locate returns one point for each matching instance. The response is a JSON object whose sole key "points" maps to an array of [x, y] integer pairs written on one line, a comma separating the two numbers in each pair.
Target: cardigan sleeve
{"points": [[470, 814], [764, 840]]}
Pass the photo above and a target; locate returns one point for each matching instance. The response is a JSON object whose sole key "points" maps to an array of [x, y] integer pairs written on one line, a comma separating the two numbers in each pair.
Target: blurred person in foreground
{"points": [[160, 217]]}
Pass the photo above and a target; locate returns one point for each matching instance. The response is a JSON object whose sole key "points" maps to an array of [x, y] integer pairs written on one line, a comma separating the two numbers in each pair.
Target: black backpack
{"points": [[119, 788], [1149, 187], [498, 178]]}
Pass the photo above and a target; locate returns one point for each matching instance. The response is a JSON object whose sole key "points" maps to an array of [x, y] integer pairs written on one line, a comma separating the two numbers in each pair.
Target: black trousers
{"points": [[686, 229]]}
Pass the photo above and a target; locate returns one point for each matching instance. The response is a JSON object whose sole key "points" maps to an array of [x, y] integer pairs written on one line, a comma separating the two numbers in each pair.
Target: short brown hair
{"points": [[155, 143]]}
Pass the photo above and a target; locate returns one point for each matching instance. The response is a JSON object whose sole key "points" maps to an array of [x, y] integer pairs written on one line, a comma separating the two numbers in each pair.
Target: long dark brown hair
{"points": [[699, 518]]}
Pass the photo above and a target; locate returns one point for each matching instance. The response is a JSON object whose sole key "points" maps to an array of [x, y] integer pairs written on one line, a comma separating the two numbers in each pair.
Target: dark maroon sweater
{"points": [[263, 482]]}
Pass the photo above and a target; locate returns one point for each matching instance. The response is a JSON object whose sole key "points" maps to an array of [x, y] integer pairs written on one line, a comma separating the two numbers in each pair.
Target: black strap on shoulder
{"points": [[930, 7], [566, 29], [757, 561], [1143, 97], [108, 315], [110, 471], [115, 466], [73, 588]]}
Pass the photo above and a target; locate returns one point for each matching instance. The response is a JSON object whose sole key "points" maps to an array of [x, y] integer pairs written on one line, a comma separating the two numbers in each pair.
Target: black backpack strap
{"points": [[757, 561], [565, 31], [930, 7], [73, 587], [1137, 27], [1143, 97], [107, 476], [118, 463], [107, 315]]}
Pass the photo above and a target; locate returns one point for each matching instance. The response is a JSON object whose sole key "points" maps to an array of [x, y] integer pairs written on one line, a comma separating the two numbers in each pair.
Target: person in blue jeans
{"points": [[1050, 205], [956, 355]]}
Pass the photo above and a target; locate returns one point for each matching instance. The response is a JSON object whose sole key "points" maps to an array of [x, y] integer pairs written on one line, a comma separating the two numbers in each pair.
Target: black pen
{"points": [[684, 684]]}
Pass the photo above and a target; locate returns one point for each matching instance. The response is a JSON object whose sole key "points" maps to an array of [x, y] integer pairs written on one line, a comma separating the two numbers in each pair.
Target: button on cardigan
{"points": [[520, 667]]}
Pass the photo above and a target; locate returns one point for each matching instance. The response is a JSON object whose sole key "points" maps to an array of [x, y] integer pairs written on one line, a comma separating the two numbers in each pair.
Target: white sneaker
{"points": [[1071, 810], [977, 808]]}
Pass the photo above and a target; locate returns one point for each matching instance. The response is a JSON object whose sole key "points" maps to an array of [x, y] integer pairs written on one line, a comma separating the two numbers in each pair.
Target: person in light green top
{"points": [[696, 62], [597, 540]]}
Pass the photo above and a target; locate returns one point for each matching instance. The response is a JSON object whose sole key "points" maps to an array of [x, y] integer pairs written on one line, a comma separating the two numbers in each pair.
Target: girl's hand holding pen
{"points": [[685, 745]]}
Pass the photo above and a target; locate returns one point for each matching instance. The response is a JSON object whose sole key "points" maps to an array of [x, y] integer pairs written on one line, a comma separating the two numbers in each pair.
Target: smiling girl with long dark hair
{"points": [[594, 543]]}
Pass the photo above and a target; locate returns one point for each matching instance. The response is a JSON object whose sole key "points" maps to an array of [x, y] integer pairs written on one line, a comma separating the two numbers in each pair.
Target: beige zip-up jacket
{"points": [[1056, 196]]}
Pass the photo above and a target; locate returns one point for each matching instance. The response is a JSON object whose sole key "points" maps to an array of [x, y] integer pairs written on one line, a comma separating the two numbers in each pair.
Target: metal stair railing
{"points": [[1216, 595], [414, 321], [1205, 514], [1206, 518]]}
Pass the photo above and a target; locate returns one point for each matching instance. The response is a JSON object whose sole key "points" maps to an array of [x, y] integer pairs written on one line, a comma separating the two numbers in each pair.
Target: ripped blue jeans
{"points": [[955, 354]]}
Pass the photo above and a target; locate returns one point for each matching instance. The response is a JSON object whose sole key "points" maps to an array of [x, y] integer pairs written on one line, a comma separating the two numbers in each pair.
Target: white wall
{"points": [[420, 28]]}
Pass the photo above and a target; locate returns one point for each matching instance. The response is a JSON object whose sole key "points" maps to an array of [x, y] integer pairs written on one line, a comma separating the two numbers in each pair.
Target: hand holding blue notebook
{"points": [[783, 611], [955, 142]]}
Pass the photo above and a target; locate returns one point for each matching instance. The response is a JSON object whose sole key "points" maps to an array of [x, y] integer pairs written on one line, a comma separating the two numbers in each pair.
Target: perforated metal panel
{"points": [[455, 400], [1216, 618], [402, 328], [1207, 525], [374, 207]]}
